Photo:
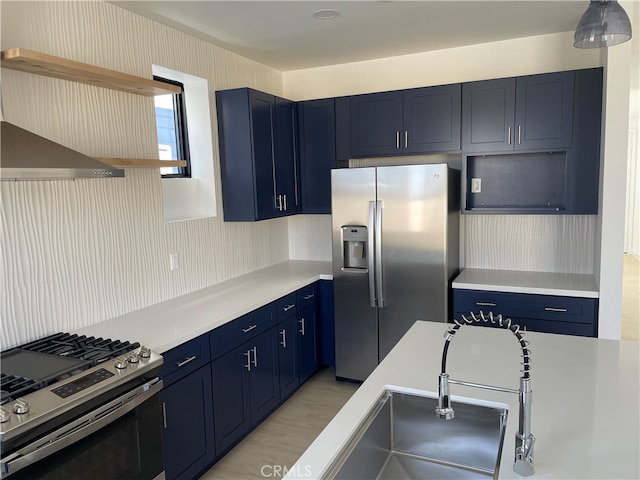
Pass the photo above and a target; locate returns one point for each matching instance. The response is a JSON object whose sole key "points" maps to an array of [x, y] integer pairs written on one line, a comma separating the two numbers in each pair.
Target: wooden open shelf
{"points": [[141, 162], [43, 64]]}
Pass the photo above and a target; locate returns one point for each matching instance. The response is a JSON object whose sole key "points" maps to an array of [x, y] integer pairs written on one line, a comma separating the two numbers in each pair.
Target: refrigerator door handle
{"points": [[370, 256], [378, 244]]}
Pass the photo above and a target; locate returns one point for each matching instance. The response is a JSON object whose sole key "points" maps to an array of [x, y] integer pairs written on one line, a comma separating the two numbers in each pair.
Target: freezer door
{"points": [[413, 249], [356, 327]]}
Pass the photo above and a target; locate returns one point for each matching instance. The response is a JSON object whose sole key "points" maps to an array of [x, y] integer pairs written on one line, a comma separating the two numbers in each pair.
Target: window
{"points": [[171, 123]]}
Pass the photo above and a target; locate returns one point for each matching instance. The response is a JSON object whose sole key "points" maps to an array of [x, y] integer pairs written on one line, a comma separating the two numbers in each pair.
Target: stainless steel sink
{"points": [[401, 437]]}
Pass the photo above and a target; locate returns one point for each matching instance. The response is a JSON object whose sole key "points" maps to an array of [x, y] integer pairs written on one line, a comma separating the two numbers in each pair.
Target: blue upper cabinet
{"points": [[258, 155], [527, 113], [532, 144], [416, 121], [432, 119], [317, 134]]}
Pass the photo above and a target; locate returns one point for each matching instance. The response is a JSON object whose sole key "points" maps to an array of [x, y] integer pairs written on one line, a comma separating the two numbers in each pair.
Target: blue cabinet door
{"points": [[307, 339], [488, 109], [231, 393], [376, 124], [288, 357], [285, 157], [264, 377], [431, 119], [533, 112], [544, 111], [188, 439], [317, 134]]}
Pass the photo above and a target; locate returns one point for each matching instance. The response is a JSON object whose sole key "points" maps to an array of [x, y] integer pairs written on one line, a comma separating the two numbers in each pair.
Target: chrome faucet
{"points": [[523, 461]]}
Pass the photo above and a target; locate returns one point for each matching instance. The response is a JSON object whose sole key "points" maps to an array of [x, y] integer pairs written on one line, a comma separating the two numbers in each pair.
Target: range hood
{"points": [[27, 156]]}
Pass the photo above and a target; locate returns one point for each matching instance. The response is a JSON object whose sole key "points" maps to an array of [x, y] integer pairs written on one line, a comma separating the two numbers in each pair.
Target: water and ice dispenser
{"points": [[354, 247]]}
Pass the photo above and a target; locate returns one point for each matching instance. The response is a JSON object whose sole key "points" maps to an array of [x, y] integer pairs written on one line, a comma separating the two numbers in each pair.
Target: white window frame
{"points": [[195, 197]]}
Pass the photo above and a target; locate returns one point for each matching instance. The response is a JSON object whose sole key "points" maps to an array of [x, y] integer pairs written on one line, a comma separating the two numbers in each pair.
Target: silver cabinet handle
{"points": [[248, 329], [309, 297], [378, 243], [398, 139], [551, 309], [302, 322], [370, 259], [519, 134], [509, 136], [248, 355], [185, 361], [406, 138], [255, 356], [285, 201], [164, 414], [284, 338], [288, 307], [485, 304]]}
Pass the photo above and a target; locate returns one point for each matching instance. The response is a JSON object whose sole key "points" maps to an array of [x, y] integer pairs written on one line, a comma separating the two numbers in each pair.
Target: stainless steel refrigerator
{"points": [[395, 253]]}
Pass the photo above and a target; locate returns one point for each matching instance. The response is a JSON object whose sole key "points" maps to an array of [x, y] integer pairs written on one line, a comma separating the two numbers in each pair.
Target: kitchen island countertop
{"points": [[169, 324], [585, 410]]}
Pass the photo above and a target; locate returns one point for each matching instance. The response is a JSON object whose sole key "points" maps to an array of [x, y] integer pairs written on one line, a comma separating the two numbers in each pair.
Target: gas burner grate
{"points": [[81, 347], [46, 361]]}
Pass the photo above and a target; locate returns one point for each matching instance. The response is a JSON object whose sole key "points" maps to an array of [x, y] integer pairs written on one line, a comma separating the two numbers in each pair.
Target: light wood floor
{"points": [[631, 299], [285, 434]]}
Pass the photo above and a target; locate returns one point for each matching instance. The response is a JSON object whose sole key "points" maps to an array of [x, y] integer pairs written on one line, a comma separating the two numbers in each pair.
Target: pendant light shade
{"points": [[605, 23]]}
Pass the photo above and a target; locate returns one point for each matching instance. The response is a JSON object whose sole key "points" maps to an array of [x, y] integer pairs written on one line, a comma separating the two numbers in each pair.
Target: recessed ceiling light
{"points": [[325, 14]]}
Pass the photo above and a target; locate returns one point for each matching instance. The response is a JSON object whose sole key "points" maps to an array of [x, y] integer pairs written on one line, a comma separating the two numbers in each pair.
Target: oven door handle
{"points": [[78, 429]]}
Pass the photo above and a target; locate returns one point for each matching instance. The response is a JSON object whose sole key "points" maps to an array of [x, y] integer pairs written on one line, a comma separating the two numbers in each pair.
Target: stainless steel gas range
{"points": [[76, 407]]}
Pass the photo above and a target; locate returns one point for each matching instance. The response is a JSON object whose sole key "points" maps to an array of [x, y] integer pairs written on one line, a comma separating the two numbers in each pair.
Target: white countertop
{"points": [[543, 283], [168, 324], [585, 409]]}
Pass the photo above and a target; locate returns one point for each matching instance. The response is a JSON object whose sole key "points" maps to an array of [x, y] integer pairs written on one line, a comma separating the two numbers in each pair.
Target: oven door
{"points": [[120, 440]]}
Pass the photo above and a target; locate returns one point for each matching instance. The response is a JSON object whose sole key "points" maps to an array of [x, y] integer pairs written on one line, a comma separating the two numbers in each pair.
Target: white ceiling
{"points": [[285, 35]]}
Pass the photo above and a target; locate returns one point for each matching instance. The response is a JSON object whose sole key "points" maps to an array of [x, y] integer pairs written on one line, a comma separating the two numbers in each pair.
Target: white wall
{"points": [[74, 253]]}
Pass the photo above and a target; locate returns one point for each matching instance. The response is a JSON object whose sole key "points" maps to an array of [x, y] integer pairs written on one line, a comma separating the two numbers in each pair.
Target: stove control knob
{"points": [[121, 363], [133, 358], [145, 352], [21, 406], [4, 415]]}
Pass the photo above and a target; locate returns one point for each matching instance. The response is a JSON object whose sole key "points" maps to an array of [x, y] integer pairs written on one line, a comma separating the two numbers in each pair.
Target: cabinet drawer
{"points": [[234, 333], [521, 305], [307, 296], [287, 306], [547, 326], [185, 359]]}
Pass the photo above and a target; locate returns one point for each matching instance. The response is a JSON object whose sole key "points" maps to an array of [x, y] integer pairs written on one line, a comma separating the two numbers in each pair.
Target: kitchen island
{"points": [[585, 411]]}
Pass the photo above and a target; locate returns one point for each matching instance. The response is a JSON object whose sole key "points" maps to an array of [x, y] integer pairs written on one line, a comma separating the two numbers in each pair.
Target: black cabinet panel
{"points": [[286, 161], [264, 377], [307, 343]]}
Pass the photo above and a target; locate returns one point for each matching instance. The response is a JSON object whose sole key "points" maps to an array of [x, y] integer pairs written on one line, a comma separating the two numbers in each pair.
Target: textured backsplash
{"points": [[78, 252]]}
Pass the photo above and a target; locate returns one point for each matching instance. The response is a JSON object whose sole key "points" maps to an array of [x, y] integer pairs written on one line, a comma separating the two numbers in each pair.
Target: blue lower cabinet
{"points": [[288, 357], [307, 343], [326, 324], [188, 439], [246, 388], [538, 313]]}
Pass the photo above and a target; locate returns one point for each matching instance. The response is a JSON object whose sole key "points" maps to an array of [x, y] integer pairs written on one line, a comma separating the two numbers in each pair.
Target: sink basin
{"points": [[401, 437]]}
